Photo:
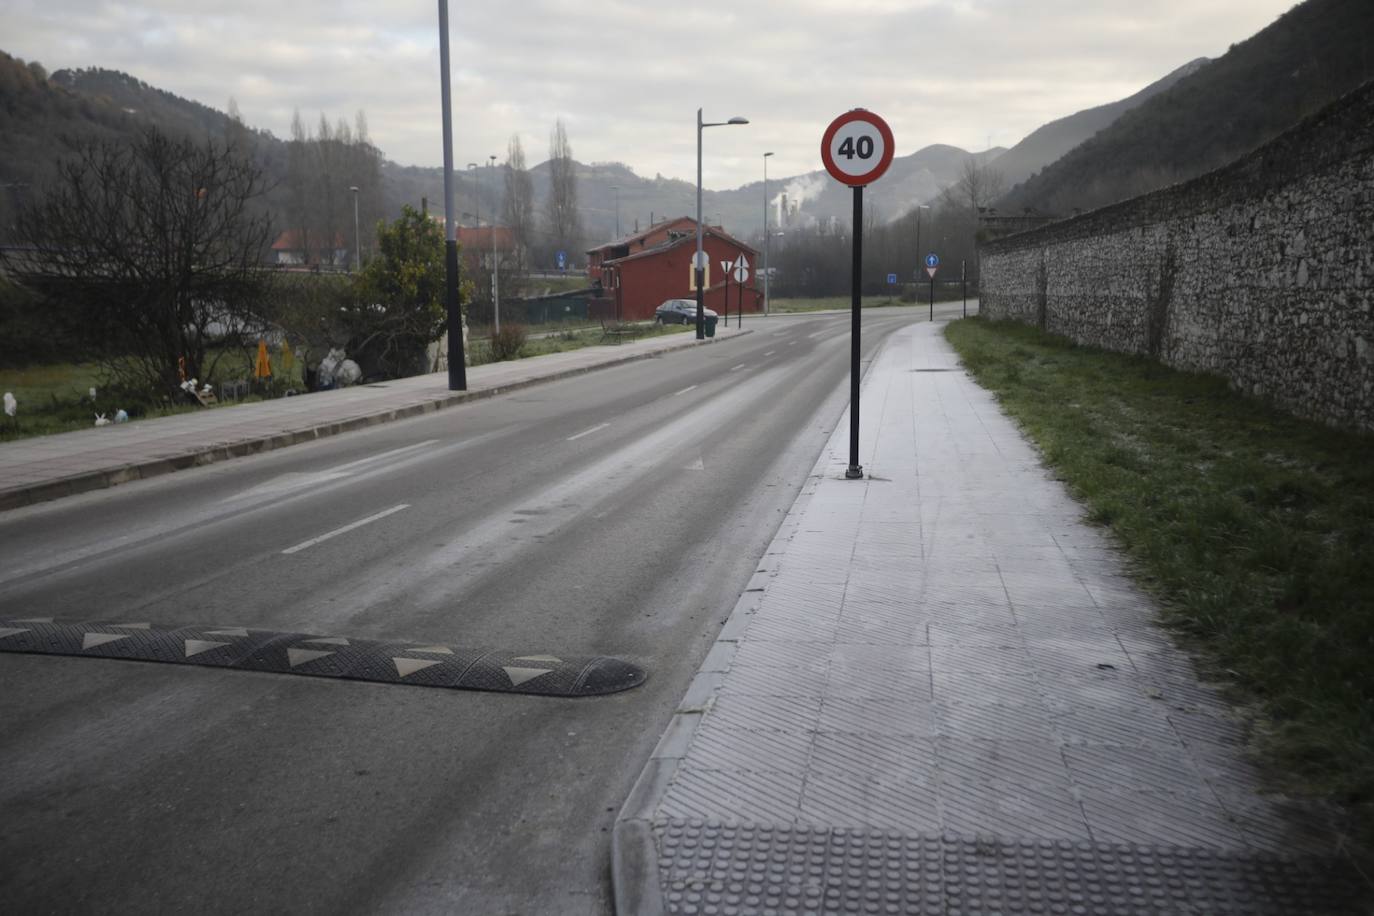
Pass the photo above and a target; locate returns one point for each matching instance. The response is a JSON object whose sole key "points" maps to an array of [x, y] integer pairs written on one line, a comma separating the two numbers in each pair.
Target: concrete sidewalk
{"points": [[941, 694], [48, 467]]}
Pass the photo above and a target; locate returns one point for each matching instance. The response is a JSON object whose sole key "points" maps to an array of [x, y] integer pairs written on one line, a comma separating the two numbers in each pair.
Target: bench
{"points": [[620, 330]]}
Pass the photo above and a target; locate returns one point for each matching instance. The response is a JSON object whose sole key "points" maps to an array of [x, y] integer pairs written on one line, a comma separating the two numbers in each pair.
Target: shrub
{"points": [[508, 342]]}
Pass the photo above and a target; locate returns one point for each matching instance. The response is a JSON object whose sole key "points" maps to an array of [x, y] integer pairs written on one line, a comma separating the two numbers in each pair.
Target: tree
{"points": [[399, 309], [151, 250], [519, 204], [565, 229]]}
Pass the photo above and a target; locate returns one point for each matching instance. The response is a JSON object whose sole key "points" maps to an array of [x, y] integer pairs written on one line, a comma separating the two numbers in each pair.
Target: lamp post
{"points": [[699, 264], [495, 273], [357, 240], [765, 232], [476, 199], [457, 368], [616, 189]]}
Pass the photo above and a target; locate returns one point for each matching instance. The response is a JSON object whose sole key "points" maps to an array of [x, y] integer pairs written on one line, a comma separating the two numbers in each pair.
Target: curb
{"points": [[634, 854], [18, 497]]}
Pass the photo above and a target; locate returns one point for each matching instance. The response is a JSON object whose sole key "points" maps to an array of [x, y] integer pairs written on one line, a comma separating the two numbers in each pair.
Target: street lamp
{"points": [[765, 232], [616, 189], [457, 361], [357, 241], [699, 263], [476, 198], [495, 274]]}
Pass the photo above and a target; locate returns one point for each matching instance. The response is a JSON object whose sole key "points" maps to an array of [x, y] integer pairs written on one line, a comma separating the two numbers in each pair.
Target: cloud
{"points": [[627, 78]]}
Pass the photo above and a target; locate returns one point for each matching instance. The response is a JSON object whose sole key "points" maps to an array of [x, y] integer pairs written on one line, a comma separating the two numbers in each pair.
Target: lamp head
{"points": [[766, 155], [738, 120]]}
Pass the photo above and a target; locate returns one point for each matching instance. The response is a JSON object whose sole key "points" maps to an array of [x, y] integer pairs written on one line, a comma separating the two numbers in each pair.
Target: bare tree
{"points": [[152, 249], [519, 204], [977, 186], [565, 229]]}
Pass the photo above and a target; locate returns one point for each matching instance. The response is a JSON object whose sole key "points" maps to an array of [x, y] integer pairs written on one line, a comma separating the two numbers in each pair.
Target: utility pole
{"points": [[495, 270]]}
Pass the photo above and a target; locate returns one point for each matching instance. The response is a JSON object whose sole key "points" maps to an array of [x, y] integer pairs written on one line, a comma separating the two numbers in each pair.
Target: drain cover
{"points": [[426, 665]]}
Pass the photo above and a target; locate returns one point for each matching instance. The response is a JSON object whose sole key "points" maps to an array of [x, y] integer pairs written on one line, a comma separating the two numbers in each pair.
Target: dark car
{"points": [[680, 311]]}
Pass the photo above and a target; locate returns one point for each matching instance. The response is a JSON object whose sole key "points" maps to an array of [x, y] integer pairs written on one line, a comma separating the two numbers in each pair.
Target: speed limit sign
{"points": [[857, 147]]}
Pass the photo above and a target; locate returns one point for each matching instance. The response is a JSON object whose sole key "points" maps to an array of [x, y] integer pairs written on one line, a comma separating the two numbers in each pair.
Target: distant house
{"points": [[476, 245], [293, 247], [639, 272]]}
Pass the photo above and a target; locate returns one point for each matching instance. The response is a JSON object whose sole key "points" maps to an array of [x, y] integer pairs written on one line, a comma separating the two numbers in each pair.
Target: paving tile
{"points": [[1159, 819], [733, 796], [892, 716]]}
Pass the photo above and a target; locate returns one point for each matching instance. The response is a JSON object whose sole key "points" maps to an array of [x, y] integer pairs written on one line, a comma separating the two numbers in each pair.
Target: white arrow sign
{"points": [[741, 269]]}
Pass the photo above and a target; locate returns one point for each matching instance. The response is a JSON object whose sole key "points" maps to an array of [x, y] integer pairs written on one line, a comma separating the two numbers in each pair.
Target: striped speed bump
{"points": [[325, 656]]}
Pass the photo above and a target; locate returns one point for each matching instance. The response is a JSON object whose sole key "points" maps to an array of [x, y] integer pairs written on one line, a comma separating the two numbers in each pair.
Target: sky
{"points": [[626, 78]]}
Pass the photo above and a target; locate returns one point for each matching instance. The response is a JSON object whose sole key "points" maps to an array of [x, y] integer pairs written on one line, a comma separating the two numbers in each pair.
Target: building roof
{"points": [[290, 241], [627, 240], [480, 237], [685, 240]]}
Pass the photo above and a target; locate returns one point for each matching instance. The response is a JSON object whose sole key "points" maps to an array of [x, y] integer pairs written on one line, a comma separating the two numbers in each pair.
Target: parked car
{"points": [[680, 311]]}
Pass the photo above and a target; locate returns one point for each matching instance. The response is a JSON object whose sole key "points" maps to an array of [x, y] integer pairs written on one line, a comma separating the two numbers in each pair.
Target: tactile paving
{"points": [[425, 665], [737, 869]]}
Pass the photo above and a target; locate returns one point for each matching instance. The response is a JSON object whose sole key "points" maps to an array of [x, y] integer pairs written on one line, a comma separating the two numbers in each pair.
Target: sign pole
{"points": [[739, 320], [932, 297], [855, 470], [856, 149], [963, 279]]}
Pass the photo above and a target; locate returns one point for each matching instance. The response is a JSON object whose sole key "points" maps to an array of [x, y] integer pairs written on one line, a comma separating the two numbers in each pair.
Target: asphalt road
{"points": [[617, 513]]}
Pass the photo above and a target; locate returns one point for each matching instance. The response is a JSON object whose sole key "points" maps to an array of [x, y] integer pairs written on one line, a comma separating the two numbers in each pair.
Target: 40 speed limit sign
{"points": [[857, 148]]}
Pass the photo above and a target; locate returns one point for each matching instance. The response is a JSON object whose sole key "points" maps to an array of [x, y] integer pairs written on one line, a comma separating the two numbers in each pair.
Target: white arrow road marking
{"points": [[12, 631], [406, 666], [519, 676], [770, 352], [791, 343], [197, 646], [697, 465], [91, 640], [553, 660], [237, 632], [817, 334], [437, 650], [299, 657], [587, 432], [346, 528], [329, 640], [685, 390], [740, 366]]}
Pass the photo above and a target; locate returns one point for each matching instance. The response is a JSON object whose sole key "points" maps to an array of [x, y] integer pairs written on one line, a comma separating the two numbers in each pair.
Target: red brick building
{"points": [[640, 271]]}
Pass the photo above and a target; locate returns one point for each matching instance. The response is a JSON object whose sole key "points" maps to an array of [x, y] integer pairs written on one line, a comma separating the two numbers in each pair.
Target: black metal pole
{"points": [[739, 320], [963, 280], [855, 470], [457, 368], [932, 297], [727, 300]]}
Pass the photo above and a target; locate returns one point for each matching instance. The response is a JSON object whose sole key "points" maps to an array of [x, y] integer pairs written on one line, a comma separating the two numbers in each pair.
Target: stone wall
{"points": [[1262, 272]]}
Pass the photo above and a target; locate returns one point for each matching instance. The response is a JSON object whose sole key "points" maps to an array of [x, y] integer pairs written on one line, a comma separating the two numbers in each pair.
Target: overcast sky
{"points": [[627, 77]]}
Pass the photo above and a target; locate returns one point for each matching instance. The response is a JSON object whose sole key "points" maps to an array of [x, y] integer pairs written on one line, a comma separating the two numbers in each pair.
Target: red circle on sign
{"points": [[849, 117]]}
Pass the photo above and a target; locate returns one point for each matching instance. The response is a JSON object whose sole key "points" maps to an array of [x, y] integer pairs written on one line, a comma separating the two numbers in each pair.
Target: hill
{"points": [[1310, 56], [1049, 142]]}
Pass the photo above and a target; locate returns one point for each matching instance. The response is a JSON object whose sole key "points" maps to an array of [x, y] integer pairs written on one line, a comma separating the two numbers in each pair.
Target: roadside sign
{"points": [[931, 272], [857, 148], [562, 257], [741, 269], [725, 266], [891, 279], [932, 260]]}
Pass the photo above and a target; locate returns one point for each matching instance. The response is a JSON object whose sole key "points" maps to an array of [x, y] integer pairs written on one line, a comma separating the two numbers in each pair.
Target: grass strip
{"points": [[1253, 529]]}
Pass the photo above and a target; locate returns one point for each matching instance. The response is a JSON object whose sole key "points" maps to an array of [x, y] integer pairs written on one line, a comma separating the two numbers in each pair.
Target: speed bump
{"points": [[247, 649]]}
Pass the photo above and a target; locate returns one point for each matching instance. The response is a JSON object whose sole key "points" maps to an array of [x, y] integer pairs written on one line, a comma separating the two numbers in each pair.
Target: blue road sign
{"points": [[562, 257], [932, 260], [891, 279]]}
